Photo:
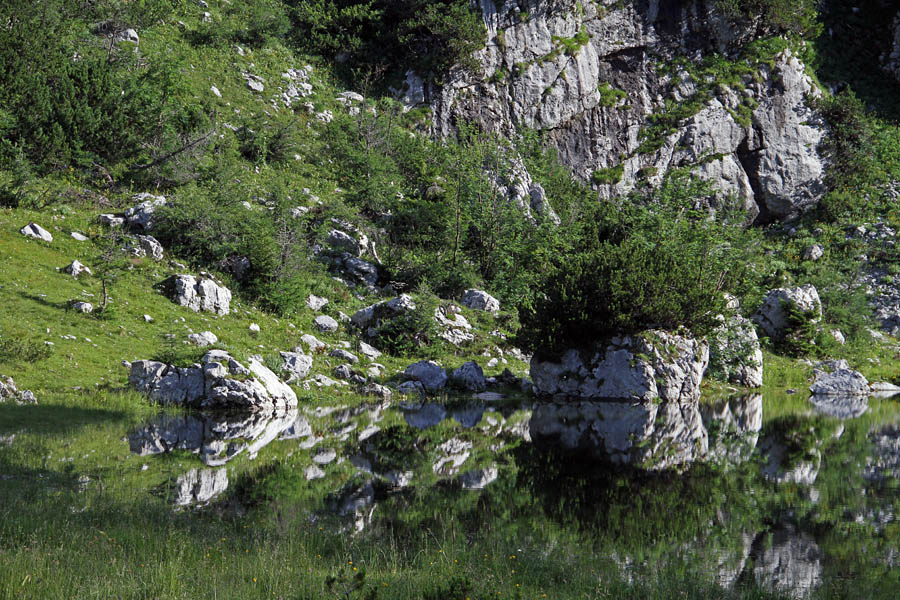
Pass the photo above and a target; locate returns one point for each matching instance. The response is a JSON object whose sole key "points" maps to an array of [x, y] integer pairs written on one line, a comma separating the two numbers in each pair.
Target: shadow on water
{"points": [[54, 418]]}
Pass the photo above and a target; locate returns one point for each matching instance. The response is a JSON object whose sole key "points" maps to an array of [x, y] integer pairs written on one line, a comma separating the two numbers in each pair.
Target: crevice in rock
{"points": [[749, 161]]}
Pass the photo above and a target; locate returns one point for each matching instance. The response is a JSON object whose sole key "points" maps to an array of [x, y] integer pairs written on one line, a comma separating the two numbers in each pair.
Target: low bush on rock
{"points": [[650, 262]]}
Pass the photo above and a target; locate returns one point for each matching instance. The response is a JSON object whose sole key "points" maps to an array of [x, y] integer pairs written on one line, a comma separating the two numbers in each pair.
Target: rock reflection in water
{"points": [[649, 435], [840, 407], [217, 438], [199, 486], [428, 414], [787, 561]]}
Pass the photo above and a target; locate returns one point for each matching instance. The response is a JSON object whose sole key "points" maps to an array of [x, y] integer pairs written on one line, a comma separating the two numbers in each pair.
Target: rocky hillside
{"points": [[507, 180]]}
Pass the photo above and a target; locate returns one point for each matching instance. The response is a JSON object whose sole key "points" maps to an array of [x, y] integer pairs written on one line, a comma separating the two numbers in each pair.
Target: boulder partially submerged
{"points": [[220, 383]]}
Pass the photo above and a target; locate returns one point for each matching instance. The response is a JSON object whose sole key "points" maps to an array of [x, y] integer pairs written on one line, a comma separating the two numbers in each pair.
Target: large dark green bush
{"points": [[74, 97], [385, 37], [647, 261]]}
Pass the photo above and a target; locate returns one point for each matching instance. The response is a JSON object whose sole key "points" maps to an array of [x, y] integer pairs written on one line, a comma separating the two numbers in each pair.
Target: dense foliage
{"points": [[648, 261], [74, 95], [382, 36]]}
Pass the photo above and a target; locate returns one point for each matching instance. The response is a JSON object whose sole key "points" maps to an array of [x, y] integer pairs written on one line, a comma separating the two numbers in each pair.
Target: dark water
{"points": [[800, 502]]}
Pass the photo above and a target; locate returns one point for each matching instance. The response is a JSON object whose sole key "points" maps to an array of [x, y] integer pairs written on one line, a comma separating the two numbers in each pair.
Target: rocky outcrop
{"points": [[469, 376], [371, 316], [773, 317], [836, 378], [221, 383], [598, 79], [9, 391], [650, 366], [199, 294], [141, 216], [480, 300], [427, 372]]}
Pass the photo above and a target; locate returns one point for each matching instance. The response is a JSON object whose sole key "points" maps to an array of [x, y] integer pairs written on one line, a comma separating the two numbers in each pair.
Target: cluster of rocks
{"points": [[9, 391], [218, 383]]}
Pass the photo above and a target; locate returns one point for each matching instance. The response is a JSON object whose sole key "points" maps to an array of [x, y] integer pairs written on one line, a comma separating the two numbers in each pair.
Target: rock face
{"points": [[653, 365], [37, 232], [772, 316], [634, 400], [213, 386], [199, 294], [735, 353], [591, 75]]}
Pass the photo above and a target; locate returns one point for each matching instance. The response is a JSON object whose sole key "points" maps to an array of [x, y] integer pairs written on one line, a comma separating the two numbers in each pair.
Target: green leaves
{"points": [[647, 261]]}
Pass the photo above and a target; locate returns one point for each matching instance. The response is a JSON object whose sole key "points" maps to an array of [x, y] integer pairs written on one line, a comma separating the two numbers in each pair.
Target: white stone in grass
{"points": [[203, 339], [76, 268], [83, 307], [325, 323], [254, 328], [79, 236], [35, 231]]}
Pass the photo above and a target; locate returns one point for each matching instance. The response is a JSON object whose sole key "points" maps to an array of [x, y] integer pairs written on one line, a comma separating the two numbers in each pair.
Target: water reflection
{"points": [[217, 438], [649, 435], [712, 486]]}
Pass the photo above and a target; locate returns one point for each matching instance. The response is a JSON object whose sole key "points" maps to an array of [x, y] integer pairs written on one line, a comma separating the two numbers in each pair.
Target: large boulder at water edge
{"points": [[220, 383], [647, 366]]}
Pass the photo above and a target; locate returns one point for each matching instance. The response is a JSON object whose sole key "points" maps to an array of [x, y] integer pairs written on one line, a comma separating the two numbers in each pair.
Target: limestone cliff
{"points": [[629, 90]]}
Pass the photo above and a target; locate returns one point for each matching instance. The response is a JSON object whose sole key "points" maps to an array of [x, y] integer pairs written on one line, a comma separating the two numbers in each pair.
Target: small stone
{"points": [[254, 328], [204, 339], [37, 232], [79, 236], [76, 268], [316, 302], [148, 319], [83, 307], [814, 252], [344, 355], [325, 323]]}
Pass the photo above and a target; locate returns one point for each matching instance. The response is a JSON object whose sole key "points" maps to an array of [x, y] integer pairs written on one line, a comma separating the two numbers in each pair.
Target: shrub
{"points": [[380, 36], [650, 261]]}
